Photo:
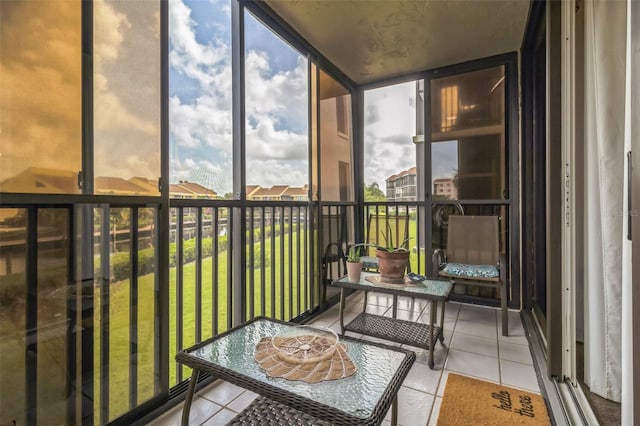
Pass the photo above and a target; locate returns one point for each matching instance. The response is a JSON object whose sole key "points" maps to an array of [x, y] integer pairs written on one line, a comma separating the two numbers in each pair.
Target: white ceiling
{"points": [[371, 40]]}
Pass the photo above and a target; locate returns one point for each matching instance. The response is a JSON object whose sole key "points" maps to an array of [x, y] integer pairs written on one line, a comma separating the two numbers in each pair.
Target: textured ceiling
{"points": [[373, 40]]}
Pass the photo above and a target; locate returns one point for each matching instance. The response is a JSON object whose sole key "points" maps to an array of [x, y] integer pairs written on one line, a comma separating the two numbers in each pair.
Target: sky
{"points": [[200, 100], [389, 125], [127, 99], [126, 89], [200, 93], [276, 105], [41, 120], [40, 99]]}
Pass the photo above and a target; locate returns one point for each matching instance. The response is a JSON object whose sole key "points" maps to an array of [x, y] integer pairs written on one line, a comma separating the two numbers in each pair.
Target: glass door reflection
{"points": [[468, 155]]}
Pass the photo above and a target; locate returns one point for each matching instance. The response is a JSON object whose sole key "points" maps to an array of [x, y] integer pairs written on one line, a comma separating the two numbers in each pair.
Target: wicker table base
{"points": [[263, 411], [397, 330], [401, 331]]}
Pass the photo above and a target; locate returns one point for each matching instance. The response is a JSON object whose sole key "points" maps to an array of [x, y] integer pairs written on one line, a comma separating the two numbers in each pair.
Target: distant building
{"points": [[278, 193], [251, 190], [445, 188], [149, 185], [184, 189], [268, 194], [55, 181], [296, 193], [108, 185], [402, 186], [42, 181]]}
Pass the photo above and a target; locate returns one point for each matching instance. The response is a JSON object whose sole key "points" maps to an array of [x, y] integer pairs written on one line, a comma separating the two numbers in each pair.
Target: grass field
{"points": [[119, 344], [52, 353], [119, 302]]}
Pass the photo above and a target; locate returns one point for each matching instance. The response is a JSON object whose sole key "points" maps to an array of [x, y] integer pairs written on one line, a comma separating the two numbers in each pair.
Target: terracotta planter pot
{"points": [[354, 271], [392, 265]]}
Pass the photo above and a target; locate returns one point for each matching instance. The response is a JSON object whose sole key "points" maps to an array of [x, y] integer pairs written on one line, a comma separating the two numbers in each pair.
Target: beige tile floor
{"points": [[474, 347]]}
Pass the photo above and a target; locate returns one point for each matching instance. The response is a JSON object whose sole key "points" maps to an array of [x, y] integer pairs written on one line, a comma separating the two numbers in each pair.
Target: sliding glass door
{"points": [[469, 156]]}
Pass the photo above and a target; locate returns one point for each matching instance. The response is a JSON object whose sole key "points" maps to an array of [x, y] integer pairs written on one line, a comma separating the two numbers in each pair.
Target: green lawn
{"points": [[119, 361], [52, 355]]}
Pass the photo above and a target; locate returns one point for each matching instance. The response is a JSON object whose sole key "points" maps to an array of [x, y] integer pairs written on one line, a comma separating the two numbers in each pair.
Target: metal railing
{"points": [[91, 316], [80, 312], [384, 216]]}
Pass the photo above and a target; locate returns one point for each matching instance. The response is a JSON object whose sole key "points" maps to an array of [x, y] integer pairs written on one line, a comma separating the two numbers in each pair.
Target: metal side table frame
{"points": [[364, 398], [401, 331]]}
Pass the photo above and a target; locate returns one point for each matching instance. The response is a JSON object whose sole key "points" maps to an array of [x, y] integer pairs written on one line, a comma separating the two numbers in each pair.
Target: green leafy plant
{"points": [[353, 255], [389, 246]]}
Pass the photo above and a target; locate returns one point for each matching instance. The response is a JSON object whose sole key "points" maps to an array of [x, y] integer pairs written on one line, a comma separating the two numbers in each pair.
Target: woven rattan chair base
{"points": [[263, 411]]}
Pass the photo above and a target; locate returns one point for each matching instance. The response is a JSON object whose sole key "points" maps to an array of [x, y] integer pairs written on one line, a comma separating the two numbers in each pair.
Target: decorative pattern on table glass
{"points": [[356, 395], [338, 365], [305, 344]]}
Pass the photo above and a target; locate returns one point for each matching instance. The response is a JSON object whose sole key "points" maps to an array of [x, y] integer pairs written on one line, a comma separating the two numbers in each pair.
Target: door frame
{"points": [[512, 163], [535, 34], [634, 211], [550, 14]]}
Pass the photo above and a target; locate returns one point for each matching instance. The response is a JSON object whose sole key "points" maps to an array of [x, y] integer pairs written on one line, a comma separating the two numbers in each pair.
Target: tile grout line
{"points": [[444, 363], [225, 406]]}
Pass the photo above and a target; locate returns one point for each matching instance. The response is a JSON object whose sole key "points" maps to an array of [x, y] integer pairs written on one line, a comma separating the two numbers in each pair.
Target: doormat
{"points": [[469, 401]]}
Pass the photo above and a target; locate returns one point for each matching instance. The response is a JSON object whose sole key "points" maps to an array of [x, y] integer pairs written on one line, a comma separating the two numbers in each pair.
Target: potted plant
{"points": [[392, 260], [354, 263]]}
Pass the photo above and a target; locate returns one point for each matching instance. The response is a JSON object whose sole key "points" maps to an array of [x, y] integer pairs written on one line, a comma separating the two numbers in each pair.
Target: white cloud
{"points": [[282, 94], [278, 172], [211, 175], [205, 120], [226, 8], [264, 142], [276, 104], [197, 61], [126, 90], [390, 123], [200, 123], [108, 33], [392, 110], [275, 98], [112, 114]]}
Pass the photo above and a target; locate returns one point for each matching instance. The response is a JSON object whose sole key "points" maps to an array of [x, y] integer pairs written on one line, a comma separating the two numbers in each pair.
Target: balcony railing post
{"points": [[214, 276], [133, 309], [238, 265], [198, 275]]}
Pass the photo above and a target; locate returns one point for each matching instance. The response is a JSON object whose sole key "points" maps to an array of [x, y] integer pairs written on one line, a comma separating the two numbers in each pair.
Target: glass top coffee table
{"points": [[361, 399], [401, 331]]}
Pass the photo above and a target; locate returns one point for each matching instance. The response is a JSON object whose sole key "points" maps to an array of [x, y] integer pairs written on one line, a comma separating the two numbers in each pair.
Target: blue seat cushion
{"points": [[369, 262], [471, 271]]}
